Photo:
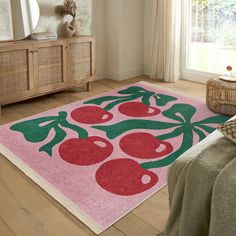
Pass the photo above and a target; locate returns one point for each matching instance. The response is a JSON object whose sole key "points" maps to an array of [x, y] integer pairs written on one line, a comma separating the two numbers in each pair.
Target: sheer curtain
{"points": [[166, 40]]}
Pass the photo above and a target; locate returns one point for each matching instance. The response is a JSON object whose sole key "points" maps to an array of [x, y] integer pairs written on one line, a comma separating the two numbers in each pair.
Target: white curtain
{"points": [[166, 40]]}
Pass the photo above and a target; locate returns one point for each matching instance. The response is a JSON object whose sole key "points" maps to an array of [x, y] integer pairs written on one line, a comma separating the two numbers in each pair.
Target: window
{"points": [[209, 43]]}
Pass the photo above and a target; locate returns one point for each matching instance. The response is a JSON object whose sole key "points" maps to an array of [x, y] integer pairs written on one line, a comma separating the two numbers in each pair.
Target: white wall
{"points": [[118, 26], [148, 14], [132, 39], [113, 31], [125, 38], [99, 31]]}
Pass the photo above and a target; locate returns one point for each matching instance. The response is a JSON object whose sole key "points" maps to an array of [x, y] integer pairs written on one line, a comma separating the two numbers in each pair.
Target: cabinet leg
{"points": [[89, 87]]}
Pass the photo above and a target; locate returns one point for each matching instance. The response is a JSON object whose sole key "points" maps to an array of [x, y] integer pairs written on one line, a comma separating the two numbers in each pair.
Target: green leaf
{"points": [[162, 100], [82, 133], [37, 130], [200, 134], [99, 101], [113, 104], [184, 113], [134, 90], [172, 134], [146, 99], [113, 131], [180, 112], [186, 144], [59, 137], [208, 129], [213, 120]]}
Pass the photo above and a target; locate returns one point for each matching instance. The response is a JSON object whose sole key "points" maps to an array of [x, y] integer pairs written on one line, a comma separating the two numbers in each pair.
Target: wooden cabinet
{"points": [[79, 64], [16, 72], [30, 68], [50, 66]]}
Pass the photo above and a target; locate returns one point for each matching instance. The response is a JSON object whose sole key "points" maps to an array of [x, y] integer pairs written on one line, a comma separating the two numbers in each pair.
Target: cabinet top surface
{"points": [[32, 41]]}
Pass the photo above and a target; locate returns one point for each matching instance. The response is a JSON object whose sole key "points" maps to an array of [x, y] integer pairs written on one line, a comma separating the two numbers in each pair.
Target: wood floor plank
{"points": [[22, 109], [112, 232], [98, 89], [165, 190], [26, 210], [131, 225], [4, 229], [3, 120], [64, 97], [53, 103], [10, 115], [154, 211]]}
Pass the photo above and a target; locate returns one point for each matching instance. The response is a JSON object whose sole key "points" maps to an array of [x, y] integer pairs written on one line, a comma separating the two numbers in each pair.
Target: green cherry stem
{"points": [[186, 144], [113, 131], [124, 99]]}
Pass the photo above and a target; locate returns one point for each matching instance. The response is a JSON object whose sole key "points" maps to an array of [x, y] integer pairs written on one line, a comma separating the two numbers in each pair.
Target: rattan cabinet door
{"points": [[49, 66], [16, 71], [79, 58]]}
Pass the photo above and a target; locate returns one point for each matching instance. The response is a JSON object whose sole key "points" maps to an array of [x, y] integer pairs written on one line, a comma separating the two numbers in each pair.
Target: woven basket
{"points": [[221, 96]]}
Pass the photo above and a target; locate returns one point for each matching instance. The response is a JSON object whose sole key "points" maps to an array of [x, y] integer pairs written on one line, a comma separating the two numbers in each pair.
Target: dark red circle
{"points": [[144, 146], [124, 177], [138, 109], [91, 115], [85, 152]]}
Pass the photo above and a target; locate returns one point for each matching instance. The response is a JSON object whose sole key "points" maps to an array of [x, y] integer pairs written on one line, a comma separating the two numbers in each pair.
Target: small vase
{"points": [[77, 26], [67, 30]]}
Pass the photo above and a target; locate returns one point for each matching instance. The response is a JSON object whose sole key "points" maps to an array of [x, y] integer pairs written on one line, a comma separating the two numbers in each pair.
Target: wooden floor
{"points": [[26, 210]]}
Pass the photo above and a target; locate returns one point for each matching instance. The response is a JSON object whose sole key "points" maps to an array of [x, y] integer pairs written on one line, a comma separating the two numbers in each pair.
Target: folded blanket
{"points": [[202, 190]]}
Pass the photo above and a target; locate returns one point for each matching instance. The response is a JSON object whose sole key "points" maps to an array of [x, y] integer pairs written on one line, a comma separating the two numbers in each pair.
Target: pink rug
{"points": [[102, 157]]}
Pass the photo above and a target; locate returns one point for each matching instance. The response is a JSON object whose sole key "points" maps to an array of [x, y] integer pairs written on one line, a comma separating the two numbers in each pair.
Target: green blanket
{"points": [[202, 190]]}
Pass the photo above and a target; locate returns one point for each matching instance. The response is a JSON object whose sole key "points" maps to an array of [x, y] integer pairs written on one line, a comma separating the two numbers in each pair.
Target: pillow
{"points": [[228, 130]]}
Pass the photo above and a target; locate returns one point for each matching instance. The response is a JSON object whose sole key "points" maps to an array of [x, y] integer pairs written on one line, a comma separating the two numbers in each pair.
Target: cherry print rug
{"points": [[102, 157]]}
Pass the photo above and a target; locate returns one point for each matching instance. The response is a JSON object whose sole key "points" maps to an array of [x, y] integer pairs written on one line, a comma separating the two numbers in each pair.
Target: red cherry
{"points": [[144, 146], [125, 177], [138, 109], [85, 152], [91, 115]]}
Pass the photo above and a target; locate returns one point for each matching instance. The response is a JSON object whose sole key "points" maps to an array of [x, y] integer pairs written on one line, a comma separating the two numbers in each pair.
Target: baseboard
{"points": [[198, 80], [112, 75], [123, 75]]}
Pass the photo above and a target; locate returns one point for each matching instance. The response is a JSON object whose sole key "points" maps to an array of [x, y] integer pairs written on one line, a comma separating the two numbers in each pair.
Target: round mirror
{"points": [[21, 18]]}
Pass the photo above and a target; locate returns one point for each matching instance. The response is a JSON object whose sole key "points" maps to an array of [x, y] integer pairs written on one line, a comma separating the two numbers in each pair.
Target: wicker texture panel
{"points": [[221, 96], [81, 70], [50, 75], [80, 61], [79, 51], [50, 66], [49, 55], [14, 77]]}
